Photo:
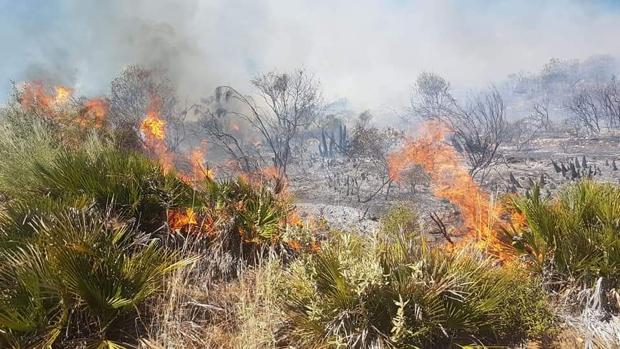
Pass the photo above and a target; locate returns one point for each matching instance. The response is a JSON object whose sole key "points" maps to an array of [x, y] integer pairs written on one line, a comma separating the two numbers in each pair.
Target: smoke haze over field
{"points": [[367, 51]]}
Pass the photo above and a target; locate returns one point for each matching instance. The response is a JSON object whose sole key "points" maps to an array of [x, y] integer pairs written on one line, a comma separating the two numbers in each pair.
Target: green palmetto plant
{"points": [[358, 293], [574, 235], [35, 165], [80, 280], [251, 215]]}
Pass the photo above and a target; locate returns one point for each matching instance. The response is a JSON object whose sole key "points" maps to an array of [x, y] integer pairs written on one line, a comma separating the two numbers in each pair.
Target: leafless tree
{"points": [[523, 131], [596, 105], [288, 103], [368, 152], [583, 106], [431, 97], [540, 113], [608, 97], [480, 130], [131, 94], [478, 127], [414, 177]]}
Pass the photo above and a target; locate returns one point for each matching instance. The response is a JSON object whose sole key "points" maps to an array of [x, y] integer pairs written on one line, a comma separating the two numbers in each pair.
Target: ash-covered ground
{"points": [[327, 187]]}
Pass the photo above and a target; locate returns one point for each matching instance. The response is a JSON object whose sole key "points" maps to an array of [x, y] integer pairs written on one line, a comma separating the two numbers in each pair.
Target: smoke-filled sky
{"points": [[367, 51]]}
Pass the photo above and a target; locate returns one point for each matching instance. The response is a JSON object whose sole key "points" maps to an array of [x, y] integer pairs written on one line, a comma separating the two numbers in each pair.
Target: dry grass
{"points": [[200, 311], [592, 325]]}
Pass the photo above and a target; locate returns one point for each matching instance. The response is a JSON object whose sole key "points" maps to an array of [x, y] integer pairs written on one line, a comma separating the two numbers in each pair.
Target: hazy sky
{"points": [[367, 51]]}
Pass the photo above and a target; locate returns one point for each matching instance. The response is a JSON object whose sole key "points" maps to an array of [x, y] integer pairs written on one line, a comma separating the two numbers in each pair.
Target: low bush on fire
{"points": [[106, 243]]}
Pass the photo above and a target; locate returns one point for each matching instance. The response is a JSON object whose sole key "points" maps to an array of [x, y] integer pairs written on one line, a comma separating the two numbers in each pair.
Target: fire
{"points": [[189, 221], [451, 181], [199, 168], [153, 129], [63, 94], [36, 97], [94, 113], [178, 219]]}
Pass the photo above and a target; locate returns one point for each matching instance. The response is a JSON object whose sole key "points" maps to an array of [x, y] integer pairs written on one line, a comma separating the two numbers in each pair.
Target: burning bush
{"points": [[80, 230], [240, 218]]}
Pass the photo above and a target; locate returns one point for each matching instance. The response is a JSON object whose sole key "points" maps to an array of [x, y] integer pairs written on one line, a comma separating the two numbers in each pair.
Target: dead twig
{"points": [[442, 227]]}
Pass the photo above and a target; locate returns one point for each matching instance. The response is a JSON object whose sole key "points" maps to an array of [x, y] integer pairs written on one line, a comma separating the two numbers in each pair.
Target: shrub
{"points": [[400, 218], [359, 293], [241, 219], [573, 236], [37, 172], [127, 181], [79, 280]]}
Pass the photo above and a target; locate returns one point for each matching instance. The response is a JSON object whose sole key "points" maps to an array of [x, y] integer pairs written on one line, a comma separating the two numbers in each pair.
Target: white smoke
{"points": [[369, 51]]}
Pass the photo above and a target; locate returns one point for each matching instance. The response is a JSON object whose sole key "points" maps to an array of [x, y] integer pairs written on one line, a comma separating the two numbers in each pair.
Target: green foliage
{"points": [[241, 218], [575, 235], [128, 181], [358, 292], [38, 173], [79, 279], [400, 217], [257, 213]]}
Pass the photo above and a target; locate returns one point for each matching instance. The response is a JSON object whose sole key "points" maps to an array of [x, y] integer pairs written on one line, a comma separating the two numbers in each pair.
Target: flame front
{"points": [[94, 113], [153, 128], [63, 94], [35, 97], [178, 219], [450, 181], [199, 168]]}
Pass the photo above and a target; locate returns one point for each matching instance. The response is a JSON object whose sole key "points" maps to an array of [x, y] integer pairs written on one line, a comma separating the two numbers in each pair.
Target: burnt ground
{"points": [[322, 187]]}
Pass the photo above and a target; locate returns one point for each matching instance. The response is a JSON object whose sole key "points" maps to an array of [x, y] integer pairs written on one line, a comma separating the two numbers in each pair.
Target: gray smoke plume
{"points": [[368, 51]]}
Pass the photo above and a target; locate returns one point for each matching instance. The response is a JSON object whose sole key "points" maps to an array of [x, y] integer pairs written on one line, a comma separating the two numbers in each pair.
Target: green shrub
{"points": [[574, 235], [79, 280], [358, 292], [240, 219], [36, 173], [128, 181], [400, 217]]}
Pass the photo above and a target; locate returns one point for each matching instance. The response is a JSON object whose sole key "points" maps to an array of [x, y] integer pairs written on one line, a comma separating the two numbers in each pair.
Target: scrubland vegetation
{"points": [[105, 243]]}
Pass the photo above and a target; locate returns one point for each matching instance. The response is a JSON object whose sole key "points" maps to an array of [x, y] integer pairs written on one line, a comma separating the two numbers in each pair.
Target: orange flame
{"points": [[178, 220], [94, 113], [450, 181], [153, 129], [199, 168], [63, 94], [188, 221], [35, 97], [153, 126]]}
